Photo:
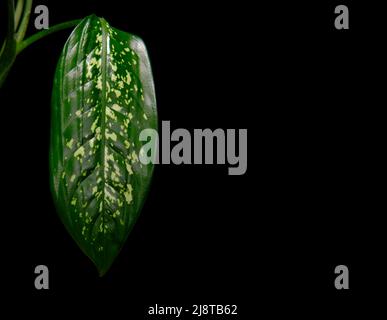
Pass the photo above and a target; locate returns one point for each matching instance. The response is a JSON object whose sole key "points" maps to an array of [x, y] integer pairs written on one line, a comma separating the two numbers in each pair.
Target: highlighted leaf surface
{"points": [[103, 97]]}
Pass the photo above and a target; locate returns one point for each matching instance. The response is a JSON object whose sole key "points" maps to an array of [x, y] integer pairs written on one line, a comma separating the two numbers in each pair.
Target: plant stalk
{"points": [[41, 34], [18, 12], [8, 50], [15, 43], [22, 28]]}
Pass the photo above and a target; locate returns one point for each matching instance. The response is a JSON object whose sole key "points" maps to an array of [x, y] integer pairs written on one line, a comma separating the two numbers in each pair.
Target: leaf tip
{"points": [[102, 268], [101, 273]]}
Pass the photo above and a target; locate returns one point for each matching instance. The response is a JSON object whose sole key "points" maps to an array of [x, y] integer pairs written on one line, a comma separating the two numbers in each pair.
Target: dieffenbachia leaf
{"points": [[103, 97]]}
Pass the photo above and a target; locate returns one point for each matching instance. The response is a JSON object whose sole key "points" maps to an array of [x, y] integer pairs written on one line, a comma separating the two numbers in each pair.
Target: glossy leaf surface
{"points": [[103, 97]]}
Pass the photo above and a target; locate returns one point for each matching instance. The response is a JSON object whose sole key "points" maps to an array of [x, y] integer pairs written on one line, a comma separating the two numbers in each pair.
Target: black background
{"points": [[269, 240]]}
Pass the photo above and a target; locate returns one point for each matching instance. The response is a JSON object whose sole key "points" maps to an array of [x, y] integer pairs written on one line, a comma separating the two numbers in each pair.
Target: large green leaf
{"points": [[103, 97]]}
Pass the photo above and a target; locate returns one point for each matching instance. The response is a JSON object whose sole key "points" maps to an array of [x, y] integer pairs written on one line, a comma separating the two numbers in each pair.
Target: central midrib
{"points": [[103, 109]]}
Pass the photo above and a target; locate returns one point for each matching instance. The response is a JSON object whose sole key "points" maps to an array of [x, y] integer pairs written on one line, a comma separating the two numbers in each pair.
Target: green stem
{"points": [[11, 20], [24, 22], [41, 34], [2, 48], [18, 12], [8, 51]]}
